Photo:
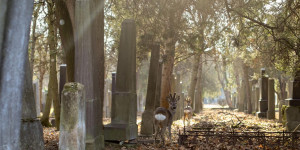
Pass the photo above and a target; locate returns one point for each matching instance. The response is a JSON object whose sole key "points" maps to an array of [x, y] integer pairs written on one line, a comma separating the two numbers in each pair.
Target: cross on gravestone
{"points": [[263, 101], [124, 102]]}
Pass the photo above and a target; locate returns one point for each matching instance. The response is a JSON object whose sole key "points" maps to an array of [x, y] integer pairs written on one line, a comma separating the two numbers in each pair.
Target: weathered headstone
{"points": [[271, 100], [72, 117], [31, 128], [37, 97], [292, 112], [147, 116], [257, 95], [62, 78], [124, 103], [158, 85], [253, 99], [263, 101], [15, 17], [87, 72]]}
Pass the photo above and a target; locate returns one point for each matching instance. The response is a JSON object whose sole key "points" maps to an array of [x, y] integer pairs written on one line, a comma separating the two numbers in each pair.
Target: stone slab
{"points": [[292, 117], [120, 132]]}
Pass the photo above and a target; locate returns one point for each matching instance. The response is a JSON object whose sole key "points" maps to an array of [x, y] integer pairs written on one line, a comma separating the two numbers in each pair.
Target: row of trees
{"points": [[235, 37]]}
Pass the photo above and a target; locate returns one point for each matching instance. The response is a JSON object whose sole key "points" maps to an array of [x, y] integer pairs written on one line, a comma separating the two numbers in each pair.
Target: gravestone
{"points": [[292, 112], [124, 101], [253, 99], [72, 117], [147, 116], [62, 78], [37, 97], [158, 85], [31, 136], [257, 95], [87, 72], [15, 17], [263, 100], [271, 100]]}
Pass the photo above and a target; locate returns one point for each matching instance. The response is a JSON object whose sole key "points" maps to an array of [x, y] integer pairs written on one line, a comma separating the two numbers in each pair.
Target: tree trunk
{"points": [[34, 37], [191, 92], [53, 83], [199, 100], [66, 27], [223, 81], [167, 72], [247, 88]]}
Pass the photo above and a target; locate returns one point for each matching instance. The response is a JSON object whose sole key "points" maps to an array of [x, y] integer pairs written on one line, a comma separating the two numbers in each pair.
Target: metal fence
{"points": [[264, 140]]}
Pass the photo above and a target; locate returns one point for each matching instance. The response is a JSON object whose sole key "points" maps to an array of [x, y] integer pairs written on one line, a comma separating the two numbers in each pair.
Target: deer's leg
{"points": [[169, 128], [162, 134], [155, 133]]}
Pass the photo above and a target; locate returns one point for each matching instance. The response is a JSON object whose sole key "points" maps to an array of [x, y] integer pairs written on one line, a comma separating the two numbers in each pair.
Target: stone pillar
{"points": [[147, 116], [263, 101], [31, 136], [158, 85], [124, 103], [72, 117], [271, 100], [292, 112], [88, 73], [62, 78], [253, 100], [37, 98], [257, 95], [44, 97], [15, 17]]}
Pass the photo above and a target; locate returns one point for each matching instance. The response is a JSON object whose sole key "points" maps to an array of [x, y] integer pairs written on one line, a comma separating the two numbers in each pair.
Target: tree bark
{"points": [[34, 37], [199, 100], [167, 72], [191, 92], [53, 83], [65, 25]]}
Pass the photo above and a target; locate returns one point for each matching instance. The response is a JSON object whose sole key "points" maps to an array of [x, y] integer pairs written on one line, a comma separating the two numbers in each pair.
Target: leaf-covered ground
{"points": [[218, 119]]}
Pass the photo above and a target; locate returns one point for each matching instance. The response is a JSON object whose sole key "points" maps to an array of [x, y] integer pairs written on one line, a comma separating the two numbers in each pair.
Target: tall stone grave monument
{"points": [[15, 17], [124, 102], [271, 100], [37, 97], [158, 85], [62, 78], [292, 112], [147, 116], [263, 100]]}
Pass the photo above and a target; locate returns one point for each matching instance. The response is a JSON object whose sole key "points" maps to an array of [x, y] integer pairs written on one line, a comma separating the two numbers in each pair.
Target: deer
{"points": [[163, 117], [188, 110]]}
